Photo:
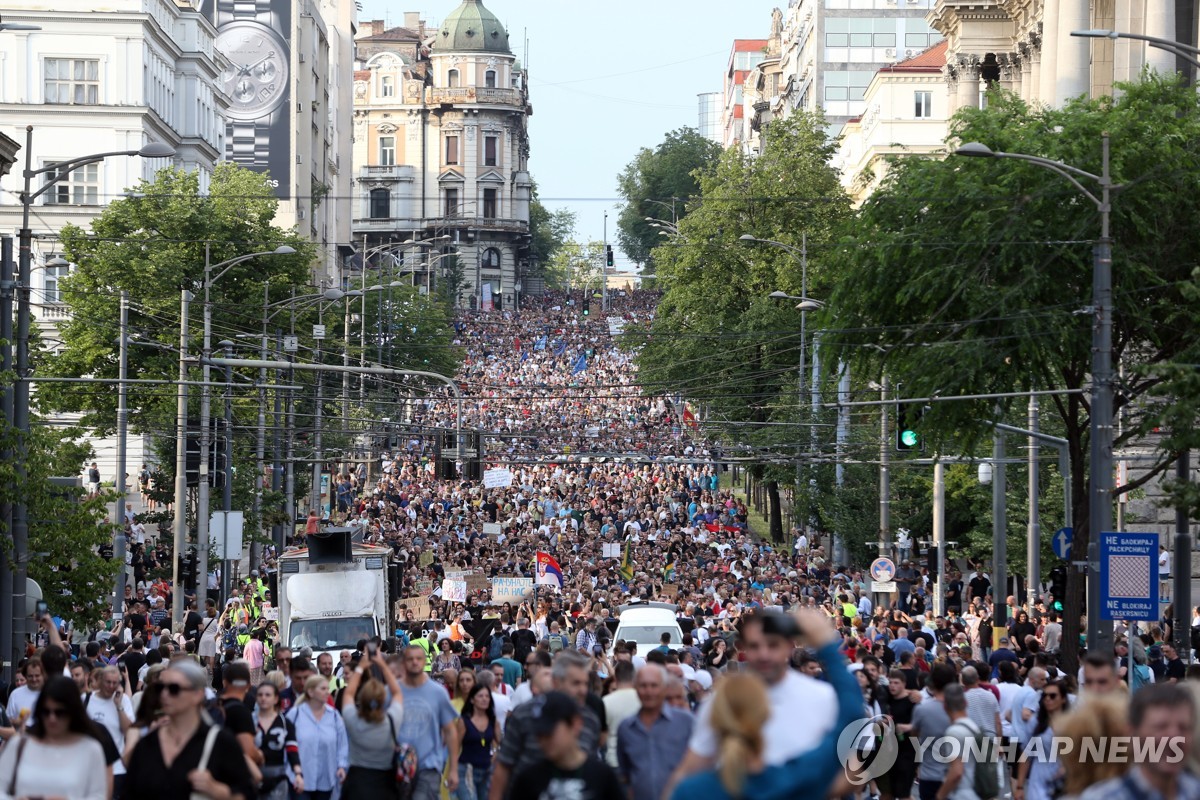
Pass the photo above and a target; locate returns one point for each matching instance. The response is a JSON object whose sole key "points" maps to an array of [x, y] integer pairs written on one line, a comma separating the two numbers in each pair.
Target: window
{"points": [[489, 151], [381, 204], [53, 294], [924, 104], [72, 81], [837, 32], [387, 86], [452, 202], [451, 149], [846, 84], [489, 203], [80, 187], [918, 35], [387, 151], [489, 79], [452, 79], [491, 257]]}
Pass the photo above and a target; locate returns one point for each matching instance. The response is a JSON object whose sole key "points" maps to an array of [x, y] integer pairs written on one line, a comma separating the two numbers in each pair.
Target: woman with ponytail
{"points": [[741, 708], [373, 715]]}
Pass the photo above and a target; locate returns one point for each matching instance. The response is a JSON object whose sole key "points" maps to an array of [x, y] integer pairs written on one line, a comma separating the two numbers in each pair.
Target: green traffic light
{"points": [[909, 438]]}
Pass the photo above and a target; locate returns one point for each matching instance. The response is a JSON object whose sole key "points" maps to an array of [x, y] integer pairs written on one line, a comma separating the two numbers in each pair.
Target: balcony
{"points": [[477, 223], [471, 94], [52, 311], [394, 172]]}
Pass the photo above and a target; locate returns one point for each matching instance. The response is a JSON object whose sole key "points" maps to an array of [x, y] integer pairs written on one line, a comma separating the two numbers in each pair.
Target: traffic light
{"points": [[908, 421], [608, 254], [586, 309]]}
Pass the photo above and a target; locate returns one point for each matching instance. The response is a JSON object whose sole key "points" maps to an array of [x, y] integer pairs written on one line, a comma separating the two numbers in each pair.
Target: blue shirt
{"points": [[427, 710], [900, 646], [807, 775], [324, 747], [646, 757]]}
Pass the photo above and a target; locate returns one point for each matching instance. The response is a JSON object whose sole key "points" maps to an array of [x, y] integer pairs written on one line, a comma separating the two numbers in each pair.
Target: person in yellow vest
{"points": [[259, 585], [243, 636], [849, 610], [426, 645]]}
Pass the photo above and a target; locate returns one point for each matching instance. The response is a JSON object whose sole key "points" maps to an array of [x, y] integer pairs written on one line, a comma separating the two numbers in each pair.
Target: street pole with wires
{"points": [[118, 606]]}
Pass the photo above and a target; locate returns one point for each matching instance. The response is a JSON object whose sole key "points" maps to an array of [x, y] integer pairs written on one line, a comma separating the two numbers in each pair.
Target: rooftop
{"points": [[930, 60], [471, 28]]}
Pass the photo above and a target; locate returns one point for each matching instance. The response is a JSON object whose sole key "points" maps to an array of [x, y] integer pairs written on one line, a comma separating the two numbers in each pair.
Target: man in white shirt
{"points": [[1164, 572], [619, 705], [109, 706], [23, 698], [767, 641]]}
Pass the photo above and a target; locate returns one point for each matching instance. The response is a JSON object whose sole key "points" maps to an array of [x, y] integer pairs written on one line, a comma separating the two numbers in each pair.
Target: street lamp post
{"points": [[181, 404], [1099, 633], [20, 421], [202, 542], [1183, 52]]}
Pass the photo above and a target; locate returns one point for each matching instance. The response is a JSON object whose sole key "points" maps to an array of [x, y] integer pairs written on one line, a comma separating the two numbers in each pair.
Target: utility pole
{"points": [[260, 453], [939, 536], [181, 408], [227, 489], [1033, 544], [318, 455], [885, 476], [999, 534], [277, 532], [7, 287], [122, 437], [1183, 564]]}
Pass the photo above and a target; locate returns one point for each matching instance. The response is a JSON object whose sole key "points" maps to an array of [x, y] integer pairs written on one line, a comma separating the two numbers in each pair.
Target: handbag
{"points": [[209, 740], [405, 760]]}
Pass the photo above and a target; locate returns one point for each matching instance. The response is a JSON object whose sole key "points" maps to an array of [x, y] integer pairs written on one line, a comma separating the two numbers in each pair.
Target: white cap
{"points": [[704, 678]]}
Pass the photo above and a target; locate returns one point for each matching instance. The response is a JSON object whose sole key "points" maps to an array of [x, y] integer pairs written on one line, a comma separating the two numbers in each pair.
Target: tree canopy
{"points": [[974, 276], [659, 182]]}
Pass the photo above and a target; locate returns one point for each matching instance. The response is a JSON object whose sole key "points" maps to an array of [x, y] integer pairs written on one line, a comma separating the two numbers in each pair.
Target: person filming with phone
{"points": [[110, 708]]}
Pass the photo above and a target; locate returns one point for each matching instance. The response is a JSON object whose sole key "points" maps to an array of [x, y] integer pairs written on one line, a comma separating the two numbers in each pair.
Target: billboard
{"points": [[253, 37]]}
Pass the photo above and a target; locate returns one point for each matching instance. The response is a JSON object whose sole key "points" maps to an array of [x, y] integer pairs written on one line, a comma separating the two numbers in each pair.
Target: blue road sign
{"points": [[1062, 542], [883, 569], [1128, 589]]}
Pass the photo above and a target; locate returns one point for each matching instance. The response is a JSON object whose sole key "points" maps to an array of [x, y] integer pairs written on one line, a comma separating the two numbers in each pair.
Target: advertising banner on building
{"points": [[253, 36]]}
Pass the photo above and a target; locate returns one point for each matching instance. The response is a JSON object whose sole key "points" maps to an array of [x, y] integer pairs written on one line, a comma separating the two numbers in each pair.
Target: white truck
{"points": [[334, 593]]}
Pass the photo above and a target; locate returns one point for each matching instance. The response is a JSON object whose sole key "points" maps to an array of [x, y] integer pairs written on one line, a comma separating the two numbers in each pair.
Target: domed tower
{"points": [[478, 117]]}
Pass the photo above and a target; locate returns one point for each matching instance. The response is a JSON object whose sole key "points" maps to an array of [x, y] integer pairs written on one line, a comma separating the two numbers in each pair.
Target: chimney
{"points": [[412, 20]]}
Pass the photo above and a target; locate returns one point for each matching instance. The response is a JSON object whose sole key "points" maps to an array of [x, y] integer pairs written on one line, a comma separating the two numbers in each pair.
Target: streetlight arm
{"points": [[1066, 170], [62, 169], [1166, 44], [791, 249], [225, 266]]}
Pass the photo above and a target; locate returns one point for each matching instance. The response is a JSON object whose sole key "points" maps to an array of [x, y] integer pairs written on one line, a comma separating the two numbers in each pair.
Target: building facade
{"points": [[743, 56], [708, 121], [905, 114], [441, 157], [831, 50], [1026, 46], [761, 100]]}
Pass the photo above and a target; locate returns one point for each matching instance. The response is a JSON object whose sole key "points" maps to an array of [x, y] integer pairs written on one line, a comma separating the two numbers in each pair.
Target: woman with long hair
{"points": [[1037, 778], [148, 716], [186, 754], [33, 765], [463, 684], [372, 722], [741, 707], [321, 735], [481, 739], [275, 738], [446, 659]]}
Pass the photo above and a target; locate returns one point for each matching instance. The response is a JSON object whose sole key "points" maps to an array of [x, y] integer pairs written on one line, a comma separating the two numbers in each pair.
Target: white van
{"points": [[645, 623]]}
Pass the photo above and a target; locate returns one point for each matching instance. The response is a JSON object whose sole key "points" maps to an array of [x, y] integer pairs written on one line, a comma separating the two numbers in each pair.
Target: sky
{"points": [[606, 79]]}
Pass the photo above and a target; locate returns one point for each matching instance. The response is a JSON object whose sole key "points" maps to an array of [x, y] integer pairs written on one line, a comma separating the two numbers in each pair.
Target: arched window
{"points": [[381, 204], [452, 79], [491, 258], [489, 79]]}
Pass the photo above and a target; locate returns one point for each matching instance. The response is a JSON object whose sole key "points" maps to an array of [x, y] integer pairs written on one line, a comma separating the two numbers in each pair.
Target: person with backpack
{"points": [[556, 639], [1039, 778], [496, 643], [970, 776]]}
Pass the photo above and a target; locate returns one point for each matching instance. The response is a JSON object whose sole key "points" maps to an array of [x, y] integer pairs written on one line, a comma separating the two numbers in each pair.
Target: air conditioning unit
{"points": [[909, 53], [300, 214], [890, 52], [302, 58]]}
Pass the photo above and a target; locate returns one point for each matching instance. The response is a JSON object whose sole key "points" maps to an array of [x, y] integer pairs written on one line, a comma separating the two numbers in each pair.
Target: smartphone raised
{"points": [[41, 609]]}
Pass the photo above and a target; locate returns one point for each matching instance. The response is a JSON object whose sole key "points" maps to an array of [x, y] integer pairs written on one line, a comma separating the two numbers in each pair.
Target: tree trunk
{"points": [[776, 511]]}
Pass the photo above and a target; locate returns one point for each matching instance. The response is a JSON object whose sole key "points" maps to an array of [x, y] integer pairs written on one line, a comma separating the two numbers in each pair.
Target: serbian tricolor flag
{"points": [[549, 573], [689, 418]]}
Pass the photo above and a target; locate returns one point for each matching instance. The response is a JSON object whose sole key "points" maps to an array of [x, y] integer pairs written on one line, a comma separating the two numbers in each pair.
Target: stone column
{"points": [[1026, 57], [1073, 59], [968, 80], [950, 71], [1035, 67], [1010, 72], [1160, 22], [1049, 59]]}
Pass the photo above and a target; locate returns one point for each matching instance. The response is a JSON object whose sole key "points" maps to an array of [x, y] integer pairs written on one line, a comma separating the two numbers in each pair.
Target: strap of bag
{"points": [[12, 784], [209, 740]]}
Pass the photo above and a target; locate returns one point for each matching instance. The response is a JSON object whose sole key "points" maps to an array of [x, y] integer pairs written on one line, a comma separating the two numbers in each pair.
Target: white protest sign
{"points": [[610, 550], [511, 590], [492, 529], [497, 479], [454, 591]]}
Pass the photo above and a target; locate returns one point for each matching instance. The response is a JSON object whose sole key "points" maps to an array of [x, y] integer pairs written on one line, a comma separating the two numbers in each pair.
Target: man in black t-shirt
{"points": [[523, 640], [1176, 671], [567, 772], [235, 677]]}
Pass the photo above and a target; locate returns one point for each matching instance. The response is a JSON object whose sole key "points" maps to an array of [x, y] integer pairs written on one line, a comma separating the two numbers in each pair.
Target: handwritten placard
{"points": [[454, 591], [511, 589]]}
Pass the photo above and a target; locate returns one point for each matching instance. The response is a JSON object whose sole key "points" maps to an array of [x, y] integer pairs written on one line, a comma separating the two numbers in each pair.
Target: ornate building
{"points": [[441, 150], [1026, 46]]}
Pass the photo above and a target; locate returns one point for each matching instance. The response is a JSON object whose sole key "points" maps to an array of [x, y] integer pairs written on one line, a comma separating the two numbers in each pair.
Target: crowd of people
{"points": [[781, 652]]}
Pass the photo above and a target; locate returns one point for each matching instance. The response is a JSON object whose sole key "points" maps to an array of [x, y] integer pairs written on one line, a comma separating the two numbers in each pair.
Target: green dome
{"points": [[471, 28]]}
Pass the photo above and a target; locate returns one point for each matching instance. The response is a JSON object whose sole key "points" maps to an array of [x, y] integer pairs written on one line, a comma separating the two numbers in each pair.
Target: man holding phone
{"points": [[768, 638], [110, 708]]}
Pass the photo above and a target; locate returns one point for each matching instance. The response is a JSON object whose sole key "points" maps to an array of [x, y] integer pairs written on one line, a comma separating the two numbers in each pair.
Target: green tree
{"points": [[153, 245], [548, 230], [659, 182], [718, 338], [966, 277], [576, 265]]}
